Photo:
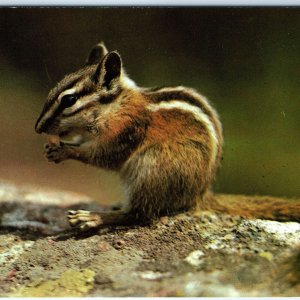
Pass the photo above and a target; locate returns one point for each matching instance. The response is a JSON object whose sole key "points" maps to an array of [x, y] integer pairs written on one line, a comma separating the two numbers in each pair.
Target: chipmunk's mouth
{"points": [[71, 138]]}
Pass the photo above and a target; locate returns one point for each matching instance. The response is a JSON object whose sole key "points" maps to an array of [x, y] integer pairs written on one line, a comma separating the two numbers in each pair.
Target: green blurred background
{"points": [[245, 60]]}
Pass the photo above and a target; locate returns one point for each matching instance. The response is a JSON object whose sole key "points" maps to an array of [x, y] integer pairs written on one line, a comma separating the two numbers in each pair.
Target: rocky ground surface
{"points": [[201, 254]]}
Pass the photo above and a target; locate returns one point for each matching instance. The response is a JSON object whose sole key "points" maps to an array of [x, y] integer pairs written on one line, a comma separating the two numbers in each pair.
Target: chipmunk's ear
{"points": [[96, 54], [109, 70]]}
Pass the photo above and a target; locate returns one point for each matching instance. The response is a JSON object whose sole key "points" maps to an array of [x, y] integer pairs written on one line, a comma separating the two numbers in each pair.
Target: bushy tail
{"points": [[258, 207]]}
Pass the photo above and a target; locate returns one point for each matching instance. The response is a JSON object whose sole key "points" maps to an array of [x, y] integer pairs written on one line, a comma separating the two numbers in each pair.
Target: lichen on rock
{"points": [[71, 283]]}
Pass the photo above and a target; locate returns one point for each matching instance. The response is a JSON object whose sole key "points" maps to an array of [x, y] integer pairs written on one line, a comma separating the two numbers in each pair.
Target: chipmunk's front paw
{"points": [[55, 153], [84, 219]]}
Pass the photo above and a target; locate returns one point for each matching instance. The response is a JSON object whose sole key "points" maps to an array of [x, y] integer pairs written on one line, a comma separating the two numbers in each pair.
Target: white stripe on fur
{"points": [[199, 116]]}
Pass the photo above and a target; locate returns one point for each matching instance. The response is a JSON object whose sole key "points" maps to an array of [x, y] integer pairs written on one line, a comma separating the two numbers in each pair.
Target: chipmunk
{"points": [[165, 143]]}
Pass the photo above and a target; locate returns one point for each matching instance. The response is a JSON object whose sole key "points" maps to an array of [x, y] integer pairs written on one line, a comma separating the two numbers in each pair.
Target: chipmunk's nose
{"points": [[37, 129], [39, 126]]}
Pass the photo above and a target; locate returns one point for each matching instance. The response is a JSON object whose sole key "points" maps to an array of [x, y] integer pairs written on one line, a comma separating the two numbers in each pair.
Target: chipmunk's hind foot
{"points": [[84, 219]]}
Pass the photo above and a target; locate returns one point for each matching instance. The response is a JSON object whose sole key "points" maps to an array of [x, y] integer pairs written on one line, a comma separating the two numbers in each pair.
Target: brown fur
{"points": [[164, 156], [261, 207]]}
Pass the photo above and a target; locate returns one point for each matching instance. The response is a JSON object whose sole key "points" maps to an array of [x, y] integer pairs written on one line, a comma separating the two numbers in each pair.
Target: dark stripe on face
{"points": [[106, 99], [48, 122], [62, 86], [86, 90], [65, 84], [110, 97], [88, 105], [69, 81]]}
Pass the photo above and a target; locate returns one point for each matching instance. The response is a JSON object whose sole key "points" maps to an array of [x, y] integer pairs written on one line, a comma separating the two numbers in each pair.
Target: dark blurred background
{"points": [[245, 60]]}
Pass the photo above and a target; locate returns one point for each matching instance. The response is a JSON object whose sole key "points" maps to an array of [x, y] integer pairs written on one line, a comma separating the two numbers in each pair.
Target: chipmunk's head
{"points": [[78, 99]]}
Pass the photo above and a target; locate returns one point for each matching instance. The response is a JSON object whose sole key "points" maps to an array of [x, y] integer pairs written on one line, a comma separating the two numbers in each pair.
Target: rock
{"points": [[194, 258], [103, 246], [34, 209], [188, 255]]}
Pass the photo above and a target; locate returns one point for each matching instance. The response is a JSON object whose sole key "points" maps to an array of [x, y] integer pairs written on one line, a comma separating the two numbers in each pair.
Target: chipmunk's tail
{"points": [[258, 207]]}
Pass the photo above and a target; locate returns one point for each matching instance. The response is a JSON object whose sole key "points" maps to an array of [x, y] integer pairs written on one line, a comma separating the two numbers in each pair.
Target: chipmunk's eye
{"points": [[68, 100]]}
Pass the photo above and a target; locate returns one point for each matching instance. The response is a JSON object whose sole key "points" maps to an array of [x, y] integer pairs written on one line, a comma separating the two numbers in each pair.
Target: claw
{"points": [[81, 211], [73, 222], [84, 219]]}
